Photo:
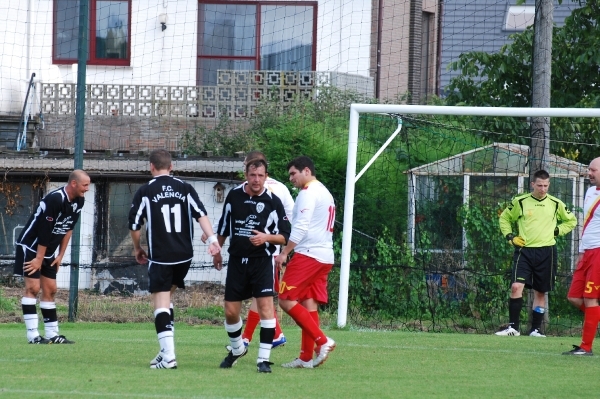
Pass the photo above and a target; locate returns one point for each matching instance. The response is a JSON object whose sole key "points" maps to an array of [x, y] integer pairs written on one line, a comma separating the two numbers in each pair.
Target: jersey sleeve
{"points": [[305, 205], [51, 208], [568, 220], [507, 217], [137, 212], [283, 223], [224, 224], [197, 207]]}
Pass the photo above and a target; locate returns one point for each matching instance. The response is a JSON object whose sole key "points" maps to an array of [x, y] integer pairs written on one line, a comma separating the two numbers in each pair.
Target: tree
{"points": [[504, 79]]}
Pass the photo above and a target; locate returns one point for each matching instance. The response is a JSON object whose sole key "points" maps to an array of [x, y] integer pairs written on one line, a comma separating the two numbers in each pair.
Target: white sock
{"points": [[31, 320], [237, 344], [50, 327], [264, 349]]}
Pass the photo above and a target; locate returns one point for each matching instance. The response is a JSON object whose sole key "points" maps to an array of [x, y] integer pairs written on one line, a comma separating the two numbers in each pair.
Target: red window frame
{"points": [[92, 60], [255, 57]]}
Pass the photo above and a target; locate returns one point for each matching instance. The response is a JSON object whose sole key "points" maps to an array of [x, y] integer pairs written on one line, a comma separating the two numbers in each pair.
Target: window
{"points": [[518, 18], [108, 37], [255, 35], [16, 205]]}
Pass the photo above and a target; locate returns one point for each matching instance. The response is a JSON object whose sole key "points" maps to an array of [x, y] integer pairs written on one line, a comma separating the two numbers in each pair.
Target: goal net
{"points": [[421, 246]]}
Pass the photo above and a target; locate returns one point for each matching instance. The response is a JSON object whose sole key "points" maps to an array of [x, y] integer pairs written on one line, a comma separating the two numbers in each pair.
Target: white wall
{"points": [[158, 57], [86, 233], [343, 36]]}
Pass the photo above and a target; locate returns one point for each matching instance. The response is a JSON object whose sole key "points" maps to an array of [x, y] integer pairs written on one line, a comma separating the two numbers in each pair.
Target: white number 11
{"points": [[176, 210]]}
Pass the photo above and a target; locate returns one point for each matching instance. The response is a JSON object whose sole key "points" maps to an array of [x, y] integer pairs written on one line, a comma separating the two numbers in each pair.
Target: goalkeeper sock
{"points": [[251, 322], [514, 312], [537, 318], [590, 326]]}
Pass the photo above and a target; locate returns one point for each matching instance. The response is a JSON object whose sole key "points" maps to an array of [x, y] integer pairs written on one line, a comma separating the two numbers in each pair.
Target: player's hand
{"points": [[57, 261], [280, 260], [203, 238], [517, 241], [258, 238], [214, 249], [141, 257], [32, 266], [218, 261]]}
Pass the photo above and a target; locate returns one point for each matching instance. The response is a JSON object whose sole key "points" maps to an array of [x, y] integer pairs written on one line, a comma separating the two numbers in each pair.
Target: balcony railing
{"points": [[237, 92]]}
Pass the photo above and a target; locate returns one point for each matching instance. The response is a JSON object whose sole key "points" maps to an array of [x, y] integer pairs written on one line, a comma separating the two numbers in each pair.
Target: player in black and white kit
{"points": [[168, 206], [49, 229], [254, 219]]}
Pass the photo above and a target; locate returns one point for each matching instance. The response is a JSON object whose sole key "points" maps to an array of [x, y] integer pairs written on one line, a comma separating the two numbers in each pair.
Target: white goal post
{"points": [[352, 177]]}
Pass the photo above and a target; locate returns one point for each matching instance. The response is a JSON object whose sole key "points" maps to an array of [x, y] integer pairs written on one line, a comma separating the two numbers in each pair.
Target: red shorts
{"points": [[586, 278], [305, 278]]}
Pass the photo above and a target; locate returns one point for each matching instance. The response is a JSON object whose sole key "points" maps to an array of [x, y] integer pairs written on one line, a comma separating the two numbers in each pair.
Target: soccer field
{"points": [[112, 360]]}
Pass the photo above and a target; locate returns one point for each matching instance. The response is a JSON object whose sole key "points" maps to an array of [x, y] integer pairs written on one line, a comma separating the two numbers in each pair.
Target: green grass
{"points": [[111, 360]]}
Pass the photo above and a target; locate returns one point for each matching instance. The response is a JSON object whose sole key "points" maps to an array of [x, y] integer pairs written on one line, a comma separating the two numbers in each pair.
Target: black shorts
{"points": [[22, 256], [535, 267], [162, 277], [249, 278]]}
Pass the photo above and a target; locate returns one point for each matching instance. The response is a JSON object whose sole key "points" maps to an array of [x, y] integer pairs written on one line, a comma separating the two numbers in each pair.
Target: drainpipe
{"points": [[378, 57], [439, 49]]}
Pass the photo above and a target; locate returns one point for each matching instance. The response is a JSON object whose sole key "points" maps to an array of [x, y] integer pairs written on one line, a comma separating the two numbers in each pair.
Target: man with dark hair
{"points": [[168, 205], [280, 190], [255, 222], [540, 218], [49, 229], [303, 286]]}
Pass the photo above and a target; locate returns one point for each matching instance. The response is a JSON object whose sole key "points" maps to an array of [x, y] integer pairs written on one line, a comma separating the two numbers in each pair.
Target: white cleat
{"points": [[508, 332]]}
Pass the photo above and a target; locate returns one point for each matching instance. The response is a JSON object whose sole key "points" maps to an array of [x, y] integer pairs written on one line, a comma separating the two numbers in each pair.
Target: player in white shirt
{"points": [[585, 286], [304, 284]]}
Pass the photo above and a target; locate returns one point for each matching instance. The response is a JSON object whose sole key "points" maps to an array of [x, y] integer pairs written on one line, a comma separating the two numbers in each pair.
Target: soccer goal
{"points": [[438, 234]]}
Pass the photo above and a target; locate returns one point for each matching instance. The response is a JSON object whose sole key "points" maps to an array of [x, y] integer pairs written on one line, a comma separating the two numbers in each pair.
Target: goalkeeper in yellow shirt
{"points": [[540, 218]]}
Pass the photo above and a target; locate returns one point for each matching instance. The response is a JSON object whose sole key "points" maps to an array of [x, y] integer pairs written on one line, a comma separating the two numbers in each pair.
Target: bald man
{"points": [[39, 252], [585, 286]]}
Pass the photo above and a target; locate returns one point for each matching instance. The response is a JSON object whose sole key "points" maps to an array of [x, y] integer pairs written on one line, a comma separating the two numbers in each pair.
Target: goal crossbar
{"points": [[351, 177]]}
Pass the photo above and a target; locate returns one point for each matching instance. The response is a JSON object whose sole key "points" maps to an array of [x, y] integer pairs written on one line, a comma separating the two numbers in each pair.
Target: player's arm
{"points": [[140, 255], [507, 217], [213, 244], [218, 258], [568, 221], [62, 249]]}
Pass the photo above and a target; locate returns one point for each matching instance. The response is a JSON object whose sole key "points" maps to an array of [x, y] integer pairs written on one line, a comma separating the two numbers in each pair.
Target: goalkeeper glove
{"points": [[517, 241]]}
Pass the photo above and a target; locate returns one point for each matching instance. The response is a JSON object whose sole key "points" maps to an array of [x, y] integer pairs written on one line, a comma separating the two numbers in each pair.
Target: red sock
{"points": [[251, 323], [278, 331], [590, 327], [308, 344], [303, 318]]}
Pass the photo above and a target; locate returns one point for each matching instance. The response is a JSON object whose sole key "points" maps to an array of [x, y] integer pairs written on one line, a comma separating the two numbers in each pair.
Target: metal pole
{"points": [[82, 55], [540, 98]]}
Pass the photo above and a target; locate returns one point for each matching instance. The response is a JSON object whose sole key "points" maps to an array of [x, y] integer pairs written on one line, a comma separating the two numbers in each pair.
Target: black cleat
{"points": [[264, 367], [577, 351], [232, 359], [60, 339], [39, 340]]}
